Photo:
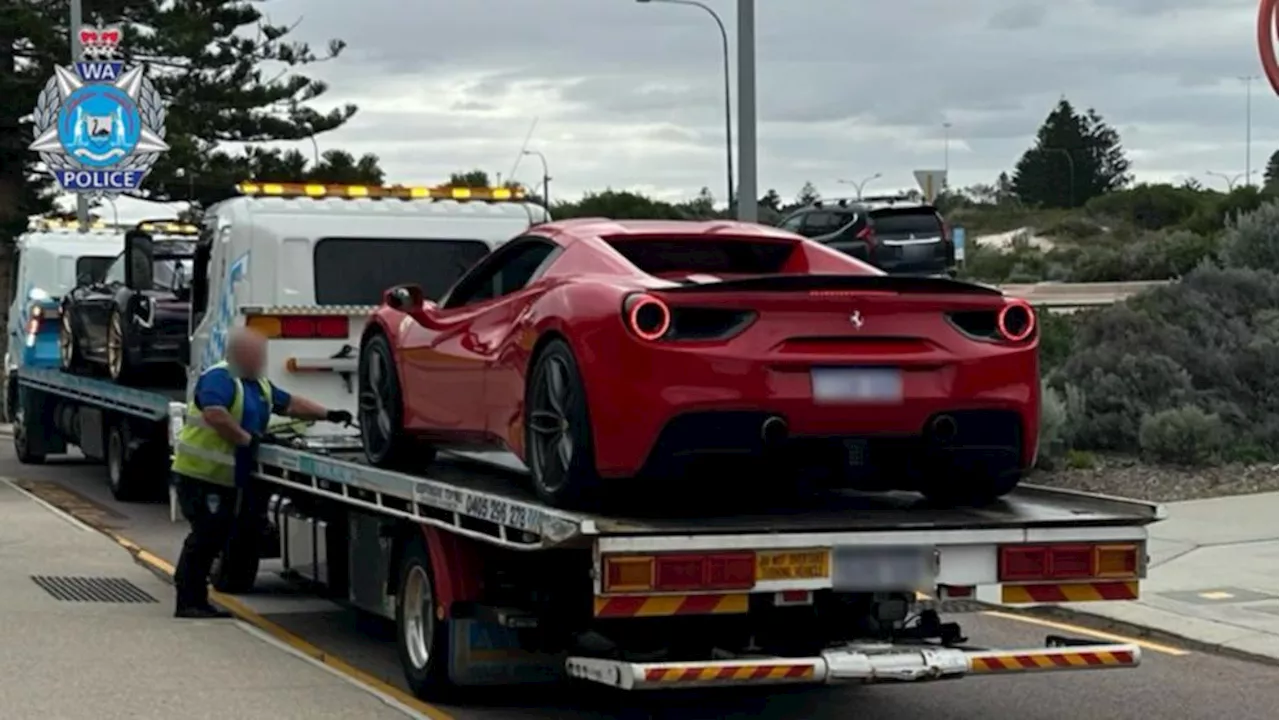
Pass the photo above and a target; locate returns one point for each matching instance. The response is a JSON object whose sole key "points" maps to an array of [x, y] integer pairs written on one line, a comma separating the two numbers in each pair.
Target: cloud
{"points": [[630, 95]]}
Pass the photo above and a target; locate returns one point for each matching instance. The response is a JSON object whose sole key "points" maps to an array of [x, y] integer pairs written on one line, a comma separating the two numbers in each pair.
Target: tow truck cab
{"points": [[48, 262], [306, 265]]}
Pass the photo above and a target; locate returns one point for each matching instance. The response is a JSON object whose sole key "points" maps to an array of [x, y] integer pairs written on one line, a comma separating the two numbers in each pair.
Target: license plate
{"points": [[883, 569], [870, 385], [793, 564]]}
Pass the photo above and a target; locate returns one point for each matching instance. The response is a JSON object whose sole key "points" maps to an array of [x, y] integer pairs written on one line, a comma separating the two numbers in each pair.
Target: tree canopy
{"points": [[1076, 157]]}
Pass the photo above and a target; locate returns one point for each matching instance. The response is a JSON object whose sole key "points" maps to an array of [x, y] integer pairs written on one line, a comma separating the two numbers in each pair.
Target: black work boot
{"points": [[201, 612]]}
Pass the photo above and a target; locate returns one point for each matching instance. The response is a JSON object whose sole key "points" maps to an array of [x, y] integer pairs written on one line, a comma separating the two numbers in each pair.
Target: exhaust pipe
{"points": [[774, 430], [943, 428]]}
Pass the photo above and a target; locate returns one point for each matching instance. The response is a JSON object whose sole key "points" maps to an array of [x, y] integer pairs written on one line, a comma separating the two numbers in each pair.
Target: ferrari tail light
{"points": [[1016, 321], [1038, 563], [679, 572], [298, 327], [647, 316]]}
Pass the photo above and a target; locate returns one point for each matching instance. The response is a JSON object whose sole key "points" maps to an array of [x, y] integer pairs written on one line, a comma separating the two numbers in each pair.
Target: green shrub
{"points": [[1073, 227], [1150, 207], [1183, 435], [1219, 209], [1252, 240], [1150, 256], [1118, 387], [1080, 460], [1052, 441], [1057, 336]]}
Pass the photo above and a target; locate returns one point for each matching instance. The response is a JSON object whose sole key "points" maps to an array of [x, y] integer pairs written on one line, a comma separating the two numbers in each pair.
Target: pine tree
{"points": [[1270, 176], [808, 195], [1075, 157]]}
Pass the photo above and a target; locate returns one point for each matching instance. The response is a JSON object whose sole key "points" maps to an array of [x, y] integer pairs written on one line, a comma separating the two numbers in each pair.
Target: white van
{"points": [[47, 263], [307, 264]]}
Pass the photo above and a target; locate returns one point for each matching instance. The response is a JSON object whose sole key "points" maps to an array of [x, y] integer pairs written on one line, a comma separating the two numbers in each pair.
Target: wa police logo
{"points": [[98, 127]]}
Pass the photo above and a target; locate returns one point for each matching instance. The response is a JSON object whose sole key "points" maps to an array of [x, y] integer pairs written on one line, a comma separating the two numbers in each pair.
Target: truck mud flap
{"points": [[855, 663]]}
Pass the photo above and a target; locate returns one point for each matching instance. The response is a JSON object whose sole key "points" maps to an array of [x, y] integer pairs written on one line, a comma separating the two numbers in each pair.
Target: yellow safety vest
{"points": [[201, 452]]}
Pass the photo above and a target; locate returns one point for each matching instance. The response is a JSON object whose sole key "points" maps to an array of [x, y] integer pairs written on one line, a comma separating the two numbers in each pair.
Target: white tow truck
{"points": [[487, 585]]}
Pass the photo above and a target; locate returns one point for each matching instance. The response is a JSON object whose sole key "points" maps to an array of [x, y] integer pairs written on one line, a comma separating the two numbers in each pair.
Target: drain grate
{"points": [[92, 589]]}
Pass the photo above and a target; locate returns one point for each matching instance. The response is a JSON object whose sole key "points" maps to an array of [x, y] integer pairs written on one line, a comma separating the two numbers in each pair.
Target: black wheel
{"points": [[559, 449], [971, 489], [22, 441], [381, 411], [422, 635], [129, 475], [69, 357], [10, 399], [118, 349]]}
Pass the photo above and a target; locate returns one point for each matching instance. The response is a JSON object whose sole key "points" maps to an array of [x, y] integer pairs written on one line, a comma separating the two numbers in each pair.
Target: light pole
{"points": [[1071, 173], [1230, 180], [77, 51], [747, 211], [1248, 125], [859, 185], [546, 178], [946, 150], [728, 103]]}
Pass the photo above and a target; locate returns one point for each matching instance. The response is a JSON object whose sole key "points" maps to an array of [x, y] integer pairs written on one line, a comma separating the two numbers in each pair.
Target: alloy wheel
{"points": [[376, 401], [419, 617], [551, 449], [115, 460], [115, 346], [65, 341]]}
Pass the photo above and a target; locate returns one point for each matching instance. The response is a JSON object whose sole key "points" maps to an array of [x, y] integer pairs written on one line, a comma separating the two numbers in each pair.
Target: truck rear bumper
{"points": [[854, 663]]}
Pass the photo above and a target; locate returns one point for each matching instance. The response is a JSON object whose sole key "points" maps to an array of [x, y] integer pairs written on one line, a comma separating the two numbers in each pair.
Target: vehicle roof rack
{"points": [[393, 192]]}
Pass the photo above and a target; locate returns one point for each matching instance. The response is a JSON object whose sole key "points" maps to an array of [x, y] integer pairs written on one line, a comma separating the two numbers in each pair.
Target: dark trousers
{"points": [[211, 510]]}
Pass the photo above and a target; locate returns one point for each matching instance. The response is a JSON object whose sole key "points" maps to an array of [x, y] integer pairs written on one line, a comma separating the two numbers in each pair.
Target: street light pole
{"points": [[859, 185], [546, 178], [728, 102], [946, 149], [77, 51], [747, 211], [1248, 125], [1230, 180], [1071, 173]]}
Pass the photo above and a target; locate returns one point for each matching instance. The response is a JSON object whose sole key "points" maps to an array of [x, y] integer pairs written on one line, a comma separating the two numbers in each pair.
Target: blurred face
{"points": [[249, 355]]}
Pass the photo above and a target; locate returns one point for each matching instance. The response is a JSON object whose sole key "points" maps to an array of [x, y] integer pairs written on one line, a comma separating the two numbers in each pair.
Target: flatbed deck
{"points": [[482, 498]]}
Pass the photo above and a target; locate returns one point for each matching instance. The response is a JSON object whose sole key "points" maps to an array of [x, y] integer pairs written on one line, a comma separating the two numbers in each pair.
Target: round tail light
{"points": [[647, 316], [1016, 322]]}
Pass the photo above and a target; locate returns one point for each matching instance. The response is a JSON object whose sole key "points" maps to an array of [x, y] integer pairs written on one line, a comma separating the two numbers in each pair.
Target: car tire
{"points": [[422, 631], [69, 357], [559, 447], [118, 366], [132, 474], [381, 411], [22, 441], [974, 490]]}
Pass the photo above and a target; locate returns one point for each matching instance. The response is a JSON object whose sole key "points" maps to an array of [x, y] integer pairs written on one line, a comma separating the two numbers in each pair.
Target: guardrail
{"points": [[1071, 296]]}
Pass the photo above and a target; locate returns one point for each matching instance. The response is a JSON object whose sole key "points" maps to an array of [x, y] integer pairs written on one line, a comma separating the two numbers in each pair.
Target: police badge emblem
{"points": [[98, 127]]}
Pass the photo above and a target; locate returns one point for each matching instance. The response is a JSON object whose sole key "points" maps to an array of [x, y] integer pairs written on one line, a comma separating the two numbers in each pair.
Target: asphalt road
{"points": [[1185, 686]]}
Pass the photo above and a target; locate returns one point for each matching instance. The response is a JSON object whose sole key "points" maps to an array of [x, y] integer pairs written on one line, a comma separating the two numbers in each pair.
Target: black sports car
{"points": [[135, 314]]}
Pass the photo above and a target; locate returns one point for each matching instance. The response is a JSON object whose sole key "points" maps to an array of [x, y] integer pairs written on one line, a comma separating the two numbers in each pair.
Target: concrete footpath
{"points": [[86, 633], [1213, 576]]}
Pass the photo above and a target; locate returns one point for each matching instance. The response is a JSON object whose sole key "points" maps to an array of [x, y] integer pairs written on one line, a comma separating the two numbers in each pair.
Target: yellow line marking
{"points": [[1066, 627]]}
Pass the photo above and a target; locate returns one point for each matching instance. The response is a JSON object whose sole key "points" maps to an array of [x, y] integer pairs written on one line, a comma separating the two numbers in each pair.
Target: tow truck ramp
{"points": [[854, 663]]}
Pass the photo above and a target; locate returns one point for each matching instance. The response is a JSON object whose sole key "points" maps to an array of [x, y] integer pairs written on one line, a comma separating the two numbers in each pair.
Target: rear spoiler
{"points": [[904, 284]]}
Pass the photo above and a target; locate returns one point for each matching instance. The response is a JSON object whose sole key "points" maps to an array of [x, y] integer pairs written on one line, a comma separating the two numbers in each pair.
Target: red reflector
{"points": [[1024, 563], [297, 327], [678, 572], [953, 591], [724, 571], [795, 596], [1071, 561], [333, 327]]}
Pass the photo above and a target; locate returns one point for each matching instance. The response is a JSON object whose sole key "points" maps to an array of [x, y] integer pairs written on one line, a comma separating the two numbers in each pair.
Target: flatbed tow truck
{"points": [[487, 585]]}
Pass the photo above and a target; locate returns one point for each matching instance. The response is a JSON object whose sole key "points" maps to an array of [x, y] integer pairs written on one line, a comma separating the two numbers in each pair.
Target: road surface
{"points": [[1171, 683]]}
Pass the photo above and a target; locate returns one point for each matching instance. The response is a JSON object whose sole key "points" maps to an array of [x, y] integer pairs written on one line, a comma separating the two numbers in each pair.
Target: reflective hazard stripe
{"points": [[209, 455]]}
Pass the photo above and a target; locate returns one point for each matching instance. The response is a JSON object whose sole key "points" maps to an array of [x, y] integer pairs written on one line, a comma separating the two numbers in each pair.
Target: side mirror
{"points": [[408, 299], [139, 260]]}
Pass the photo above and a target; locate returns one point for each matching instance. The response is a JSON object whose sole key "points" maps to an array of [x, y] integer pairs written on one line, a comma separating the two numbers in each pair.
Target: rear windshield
{"points": [[356, 271], [912, 221], [713, 257], [94, 266]]}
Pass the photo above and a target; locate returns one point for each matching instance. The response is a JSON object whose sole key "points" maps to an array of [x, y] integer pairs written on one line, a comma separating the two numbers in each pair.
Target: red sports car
{"points": [[598, 349]]}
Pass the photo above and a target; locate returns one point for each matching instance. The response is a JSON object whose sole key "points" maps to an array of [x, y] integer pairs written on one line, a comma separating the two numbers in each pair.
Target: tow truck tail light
{"points": [[1067, 562], [297, 327], [679, 572]]}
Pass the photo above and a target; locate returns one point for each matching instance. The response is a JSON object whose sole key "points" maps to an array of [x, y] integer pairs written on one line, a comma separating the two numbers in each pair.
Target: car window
{"points": [[505, 271], [93, 266], [821, 223], [793, 223], [115, 272], [918, 222], [356, 271]]}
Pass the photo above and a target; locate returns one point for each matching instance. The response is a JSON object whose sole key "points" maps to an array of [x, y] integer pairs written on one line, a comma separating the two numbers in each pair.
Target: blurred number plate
{"points": [[875, 569], [793, 565], [857, 384]]}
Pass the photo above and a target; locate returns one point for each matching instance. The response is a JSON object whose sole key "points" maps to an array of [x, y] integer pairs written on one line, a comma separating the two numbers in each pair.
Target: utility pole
{"points": [[1248, 127], [77, 51], [748, 194], [946, 149]]}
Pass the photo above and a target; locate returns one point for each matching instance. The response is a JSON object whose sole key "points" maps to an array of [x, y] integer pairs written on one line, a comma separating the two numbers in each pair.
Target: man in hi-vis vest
{"points": [[230, 410]]}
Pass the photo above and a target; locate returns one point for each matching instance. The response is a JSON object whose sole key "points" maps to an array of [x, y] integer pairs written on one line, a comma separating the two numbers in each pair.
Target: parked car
{"points": [[597, 349], [133, 315], [897, 235]]}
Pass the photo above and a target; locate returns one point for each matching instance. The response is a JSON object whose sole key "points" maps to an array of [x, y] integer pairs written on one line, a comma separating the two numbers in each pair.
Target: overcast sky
{"points": [[629, 95]]}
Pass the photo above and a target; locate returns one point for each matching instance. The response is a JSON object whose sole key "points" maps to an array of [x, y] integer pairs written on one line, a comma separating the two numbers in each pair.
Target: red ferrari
{"points": [[598, 349]]}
